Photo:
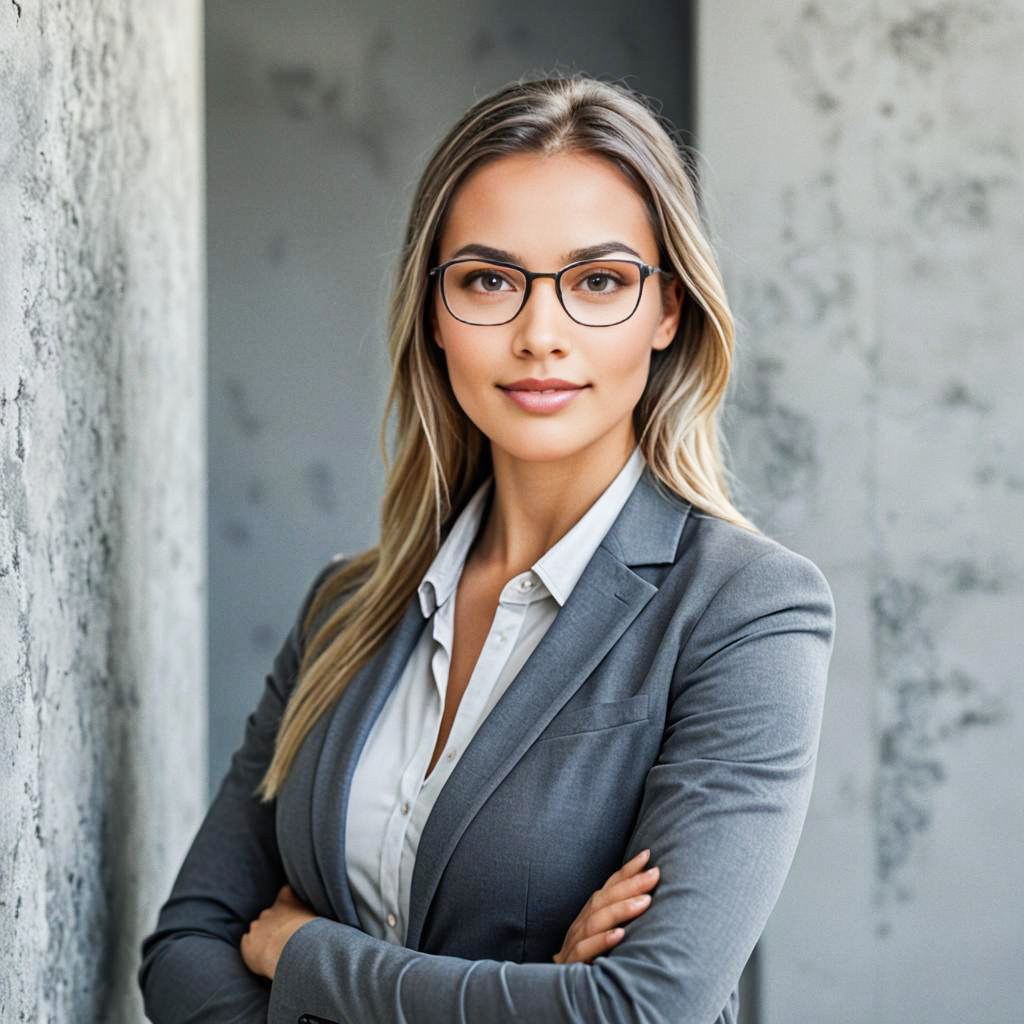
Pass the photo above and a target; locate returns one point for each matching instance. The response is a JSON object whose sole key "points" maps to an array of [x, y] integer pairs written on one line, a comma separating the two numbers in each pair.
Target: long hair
{"points": [[441, 457]]}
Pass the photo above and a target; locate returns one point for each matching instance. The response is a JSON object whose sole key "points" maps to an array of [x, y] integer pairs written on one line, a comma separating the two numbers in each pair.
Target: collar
{"points": [[559, 568]]}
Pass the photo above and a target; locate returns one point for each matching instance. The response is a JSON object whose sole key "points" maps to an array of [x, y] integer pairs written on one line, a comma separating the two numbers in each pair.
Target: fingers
{"points": [[586, 949], [632, 884], [617, 913], [622, 898], [606, 916], [631, 867], [615, 904]]}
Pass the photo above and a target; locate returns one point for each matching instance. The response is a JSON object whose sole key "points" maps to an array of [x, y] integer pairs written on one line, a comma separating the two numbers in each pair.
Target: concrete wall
{"points": [[864, 165], [320, 117], [102, 493], [863, 168]]}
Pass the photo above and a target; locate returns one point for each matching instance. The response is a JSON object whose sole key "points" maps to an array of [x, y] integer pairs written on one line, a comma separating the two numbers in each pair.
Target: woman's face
{"points": [[539, 209]]}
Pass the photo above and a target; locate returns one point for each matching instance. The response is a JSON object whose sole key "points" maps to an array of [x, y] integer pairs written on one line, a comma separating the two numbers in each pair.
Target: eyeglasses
{"points": [[486, 293]]}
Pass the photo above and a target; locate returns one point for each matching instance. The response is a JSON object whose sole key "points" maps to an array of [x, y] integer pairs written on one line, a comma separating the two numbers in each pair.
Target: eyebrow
{"points": [[588, 252]]}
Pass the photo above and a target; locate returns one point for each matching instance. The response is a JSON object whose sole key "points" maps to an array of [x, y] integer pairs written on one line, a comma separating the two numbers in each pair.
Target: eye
{"points": [[602, 280], [599, 281], [491, 280]]}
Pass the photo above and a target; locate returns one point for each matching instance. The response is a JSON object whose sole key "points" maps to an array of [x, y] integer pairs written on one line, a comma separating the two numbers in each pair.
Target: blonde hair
{"points": [[441, 457]]}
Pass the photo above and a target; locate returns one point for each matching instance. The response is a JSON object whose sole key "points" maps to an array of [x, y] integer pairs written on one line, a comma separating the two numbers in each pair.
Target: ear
{"points": [[673, 295]]}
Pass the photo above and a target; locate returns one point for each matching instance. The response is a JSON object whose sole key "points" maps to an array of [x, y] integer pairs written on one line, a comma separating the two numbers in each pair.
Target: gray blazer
{"points": [[675, 702]]}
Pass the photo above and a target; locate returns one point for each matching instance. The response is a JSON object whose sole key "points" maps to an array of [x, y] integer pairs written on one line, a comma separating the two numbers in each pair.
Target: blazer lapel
{"points": [[607, 597], [349, 726]]}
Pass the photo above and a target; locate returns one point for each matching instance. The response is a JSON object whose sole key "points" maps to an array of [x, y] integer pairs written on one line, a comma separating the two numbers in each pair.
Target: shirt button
{"points": [[405, 807], [451, 754], [391, 920], [500, 637], [525, 584]]}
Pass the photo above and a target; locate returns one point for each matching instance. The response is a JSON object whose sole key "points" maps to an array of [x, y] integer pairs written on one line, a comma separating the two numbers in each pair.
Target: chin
{"points": [[538, 445]]}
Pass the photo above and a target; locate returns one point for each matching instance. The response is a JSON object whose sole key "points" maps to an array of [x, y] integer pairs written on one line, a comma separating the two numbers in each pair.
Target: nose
{"points": [[542, 322]]}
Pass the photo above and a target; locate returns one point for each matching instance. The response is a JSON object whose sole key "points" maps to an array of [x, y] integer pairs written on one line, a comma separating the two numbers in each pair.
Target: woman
{"points": [[569, 657]]}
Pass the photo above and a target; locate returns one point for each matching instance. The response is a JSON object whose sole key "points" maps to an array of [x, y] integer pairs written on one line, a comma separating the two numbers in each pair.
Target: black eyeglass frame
{"points": [[646, 270]]}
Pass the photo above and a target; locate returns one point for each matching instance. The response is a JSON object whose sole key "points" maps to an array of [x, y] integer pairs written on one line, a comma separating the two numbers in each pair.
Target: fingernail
{"points": [[643, 854]]}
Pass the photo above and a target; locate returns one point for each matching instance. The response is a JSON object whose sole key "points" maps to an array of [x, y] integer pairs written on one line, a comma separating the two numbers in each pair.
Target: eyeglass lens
{"points": [[596, 293]]}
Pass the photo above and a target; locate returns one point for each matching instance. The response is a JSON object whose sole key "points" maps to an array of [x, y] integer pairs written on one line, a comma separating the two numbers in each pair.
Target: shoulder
{"points": [[751, 637], [729, 581], [319, 580], [321, 575], [328, 569]]}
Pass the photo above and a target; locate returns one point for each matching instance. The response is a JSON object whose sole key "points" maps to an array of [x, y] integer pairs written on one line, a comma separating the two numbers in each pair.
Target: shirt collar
{"points": [[440, 579], [559, 568]]}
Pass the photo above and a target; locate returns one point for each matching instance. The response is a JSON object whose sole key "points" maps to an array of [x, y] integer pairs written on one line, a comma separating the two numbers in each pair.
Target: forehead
{"points": [[542, 206]]}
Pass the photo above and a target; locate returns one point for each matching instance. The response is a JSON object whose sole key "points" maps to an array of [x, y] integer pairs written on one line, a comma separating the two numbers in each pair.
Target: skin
{"points": [[262, 944], [549, 468]]}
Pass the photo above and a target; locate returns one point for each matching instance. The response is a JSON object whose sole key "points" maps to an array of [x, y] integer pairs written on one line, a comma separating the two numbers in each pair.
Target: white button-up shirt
{"points": [[390, 800]]}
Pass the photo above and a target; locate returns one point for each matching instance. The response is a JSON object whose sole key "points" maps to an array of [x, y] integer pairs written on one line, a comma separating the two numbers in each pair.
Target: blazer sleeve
{"points": [[192, 968], [722, 811]]}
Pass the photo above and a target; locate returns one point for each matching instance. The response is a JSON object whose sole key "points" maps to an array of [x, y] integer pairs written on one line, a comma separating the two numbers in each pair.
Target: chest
{"points": [[476, 599]]}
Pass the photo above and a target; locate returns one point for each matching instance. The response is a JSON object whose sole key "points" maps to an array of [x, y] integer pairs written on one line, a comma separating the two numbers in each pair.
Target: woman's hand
{"points": [[262, 944], [624, 896]]}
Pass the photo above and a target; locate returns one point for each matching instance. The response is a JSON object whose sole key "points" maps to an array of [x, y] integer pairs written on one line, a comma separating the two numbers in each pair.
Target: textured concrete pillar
{"points": [[102, 492], [864, 164]]}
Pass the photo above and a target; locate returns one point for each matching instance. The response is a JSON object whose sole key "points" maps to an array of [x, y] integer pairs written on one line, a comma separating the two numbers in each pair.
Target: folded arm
{"points": [[192, 970], [722, 812]]}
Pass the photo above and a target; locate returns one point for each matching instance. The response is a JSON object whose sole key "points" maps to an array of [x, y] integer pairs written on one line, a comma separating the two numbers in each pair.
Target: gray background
{"points": [[863, 173]]}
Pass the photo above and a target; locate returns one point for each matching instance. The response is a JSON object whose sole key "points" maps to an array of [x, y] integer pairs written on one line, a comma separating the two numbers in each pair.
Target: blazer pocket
{"points": [[597, 717]]}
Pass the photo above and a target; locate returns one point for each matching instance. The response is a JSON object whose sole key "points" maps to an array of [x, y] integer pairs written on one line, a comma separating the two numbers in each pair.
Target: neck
{"points": [[534, 503]]}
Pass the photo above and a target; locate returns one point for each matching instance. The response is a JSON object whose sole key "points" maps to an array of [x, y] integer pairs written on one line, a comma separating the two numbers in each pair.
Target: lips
{"points": [[547, 398], [541, 384], [544, 391]]}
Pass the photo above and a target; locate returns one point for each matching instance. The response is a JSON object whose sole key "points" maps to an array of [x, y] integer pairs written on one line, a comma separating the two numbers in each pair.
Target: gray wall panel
{"points": [[864, 165]]}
